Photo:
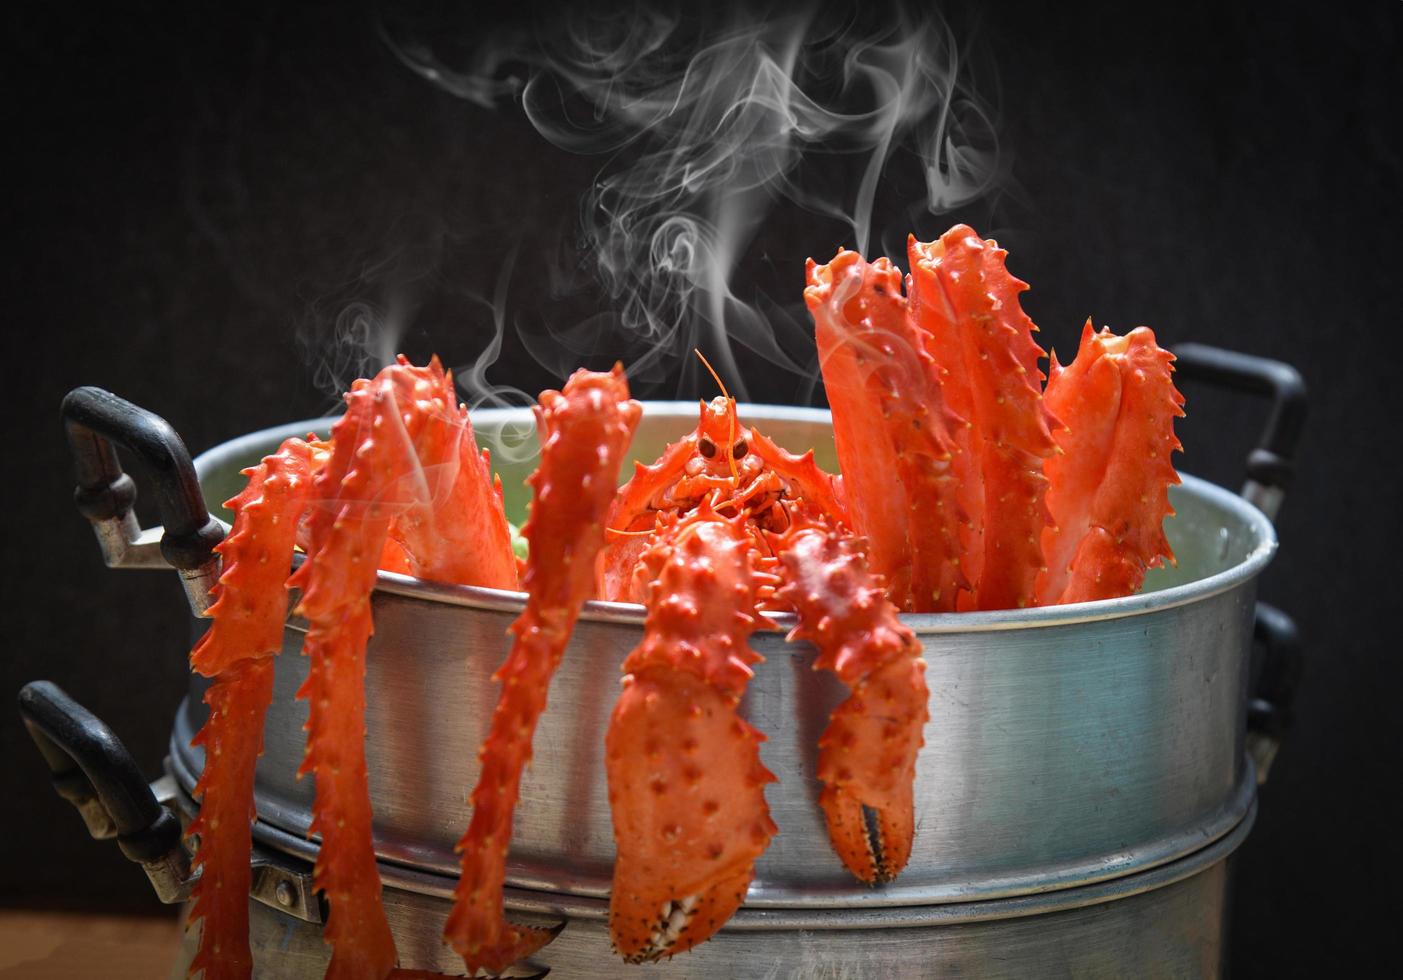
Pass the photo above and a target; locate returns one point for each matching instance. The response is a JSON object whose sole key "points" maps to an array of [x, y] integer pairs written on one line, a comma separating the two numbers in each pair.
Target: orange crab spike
{"points": [[889, 418], [1108, 490], [250, 601], [867, 755], [585, 430], [963, 296], [233, 740], [248, 612], [686, 785], [631, 510]]}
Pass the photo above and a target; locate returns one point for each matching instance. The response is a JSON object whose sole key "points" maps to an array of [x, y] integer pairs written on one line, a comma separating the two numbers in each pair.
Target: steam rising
{"points": [[705, 126]]}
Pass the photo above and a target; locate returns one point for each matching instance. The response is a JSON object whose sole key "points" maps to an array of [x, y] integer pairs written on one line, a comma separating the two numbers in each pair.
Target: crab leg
{"points": [[455, 528], [336, 581], [686, 785], [585, 430], [889, 417], [867, 755], [1108, 489], [249, 609], [964, 298], [376, 475]]}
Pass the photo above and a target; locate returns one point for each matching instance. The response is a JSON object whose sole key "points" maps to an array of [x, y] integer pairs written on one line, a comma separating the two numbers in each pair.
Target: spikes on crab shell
{"points": [[616, 568], [686, 788], [247, 630], [359, 488], [890, 417], [451, 527], [1109, 488], [966, 302], [250, 600], [401, 462], [686, 784], [867, 754], [232, 740]]}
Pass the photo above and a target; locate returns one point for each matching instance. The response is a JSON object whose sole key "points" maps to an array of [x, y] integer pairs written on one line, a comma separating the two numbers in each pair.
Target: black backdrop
{"points": [[187, 189]]}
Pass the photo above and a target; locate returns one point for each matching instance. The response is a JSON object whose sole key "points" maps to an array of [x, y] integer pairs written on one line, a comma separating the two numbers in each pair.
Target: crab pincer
{"points": [[585, 429], [867, 754], [686, 784]]}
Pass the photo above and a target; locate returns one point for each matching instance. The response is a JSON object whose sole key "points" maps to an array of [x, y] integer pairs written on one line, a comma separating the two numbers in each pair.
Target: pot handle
{"points": [[93, 770], [1269, 710], [96, 419], [1271, 464]]}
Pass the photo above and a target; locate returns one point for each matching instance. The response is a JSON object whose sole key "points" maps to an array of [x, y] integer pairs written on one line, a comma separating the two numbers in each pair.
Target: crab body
{"points": [[708, 536]]}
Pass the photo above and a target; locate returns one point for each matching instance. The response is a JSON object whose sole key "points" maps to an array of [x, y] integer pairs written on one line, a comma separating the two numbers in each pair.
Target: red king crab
{"points": [[1006, 493]]}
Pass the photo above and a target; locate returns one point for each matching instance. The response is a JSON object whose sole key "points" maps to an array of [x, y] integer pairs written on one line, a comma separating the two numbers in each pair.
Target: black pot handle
{"points": [[1271, 464], [1269, 710], [93, 770], [96, 420]]}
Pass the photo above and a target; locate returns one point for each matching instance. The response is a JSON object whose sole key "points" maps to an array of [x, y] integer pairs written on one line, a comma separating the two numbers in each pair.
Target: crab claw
{"points": [[686, 785], [689, 815], [864, 765], [867, 754]]}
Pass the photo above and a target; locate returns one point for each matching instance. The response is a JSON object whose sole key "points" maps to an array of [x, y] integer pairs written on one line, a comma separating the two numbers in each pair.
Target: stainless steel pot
{"points": [[1066, 745], [1084, 765]]}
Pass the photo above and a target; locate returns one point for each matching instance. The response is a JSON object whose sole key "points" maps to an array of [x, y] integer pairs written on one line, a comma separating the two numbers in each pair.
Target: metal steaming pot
{"points": [[1085, 776]]}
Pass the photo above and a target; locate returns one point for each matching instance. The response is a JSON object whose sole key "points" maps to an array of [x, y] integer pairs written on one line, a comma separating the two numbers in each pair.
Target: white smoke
{"points": [[705, 123], [367, 332], [512, 442]]}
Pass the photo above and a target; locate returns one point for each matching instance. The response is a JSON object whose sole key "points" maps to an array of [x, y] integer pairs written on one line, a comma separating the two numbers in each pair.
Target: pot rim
{"points": [[629, 613]]}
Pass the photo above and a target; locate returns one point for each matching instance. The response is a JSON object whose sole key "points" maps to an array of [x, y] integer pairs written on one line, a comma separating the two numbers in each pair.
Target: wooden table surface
{"points": [[71, 946]]}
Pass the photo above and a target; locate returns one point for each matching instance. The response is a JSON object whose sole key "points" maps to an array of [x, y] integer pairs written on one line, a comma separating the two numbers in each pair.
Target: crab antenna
{"points": [[712, 371], [731, 439]]}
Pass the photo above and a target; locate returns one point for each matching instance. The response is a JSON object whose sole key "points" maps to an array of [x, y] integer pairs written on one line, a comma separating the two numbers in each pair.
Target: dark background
{"points": [[190, 191]]}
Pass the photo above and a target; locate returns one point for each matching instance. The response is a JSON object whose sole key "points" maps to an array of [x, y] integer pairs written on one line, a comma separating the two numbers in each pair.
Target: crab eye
{"points": [[706, 447], [739, 449]]}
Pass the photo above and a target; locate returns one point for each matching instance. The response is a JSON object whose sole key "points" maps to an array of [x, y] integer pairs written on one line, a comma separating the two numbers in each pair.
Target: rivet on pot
{"points": [[285, 894]]}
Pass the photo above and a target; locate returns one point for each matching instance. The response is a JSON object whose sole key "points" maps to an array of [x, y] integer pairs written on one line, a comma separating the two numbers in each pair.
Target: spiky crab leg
{"points": [[889, 418], [374, 476], [1109, 488], [982, 342], [867, 755], [585, 430], [248, 612], [686, 785]]}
